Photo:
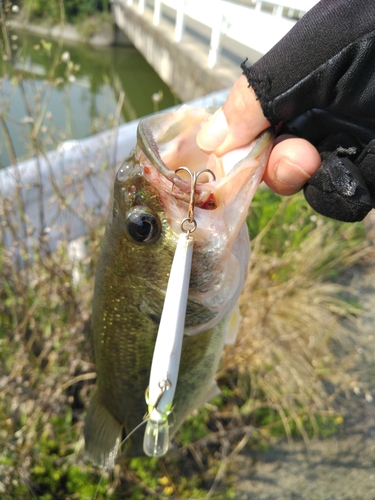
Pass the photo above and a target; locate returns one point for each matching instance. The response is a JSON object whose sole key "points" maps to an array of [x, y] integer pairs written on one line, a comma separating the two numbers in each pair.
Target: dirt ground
{"points": [[341, 467]]}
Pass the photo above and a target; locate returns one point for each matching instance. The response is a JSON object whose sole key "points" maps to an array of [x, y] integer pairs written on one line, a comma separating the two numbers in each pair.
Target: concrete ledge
{"points": [[67, 32]]}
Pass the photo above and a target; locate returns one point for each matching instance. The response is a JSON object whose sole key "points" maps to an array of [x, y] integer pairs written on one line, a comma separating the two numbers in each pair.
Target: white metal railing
{"points": [[292, 6], [247, 24]]}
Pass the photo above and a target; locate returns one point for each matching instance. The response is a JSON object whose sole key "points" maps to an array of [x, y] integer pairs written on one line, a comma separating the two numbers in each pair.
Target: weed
{"points": [[295, 316]]}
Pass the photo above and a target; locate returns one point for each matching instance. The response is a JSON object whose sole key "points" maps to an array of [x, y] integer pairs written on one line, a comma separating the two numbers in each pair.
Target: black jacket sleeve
{"points": [[319, 80]]}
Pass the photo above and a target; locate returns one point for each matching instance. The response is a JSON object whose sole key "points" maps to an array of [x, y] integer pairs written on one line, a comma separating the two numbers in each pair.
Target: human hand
{"points": [[292, 160], [338, 180]]}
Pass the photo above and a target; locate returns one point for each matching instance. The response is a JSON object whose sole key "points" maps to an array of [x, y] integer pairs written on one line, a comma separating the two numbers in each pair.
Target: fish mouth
{"points": [[168, 141], [165, 143]]}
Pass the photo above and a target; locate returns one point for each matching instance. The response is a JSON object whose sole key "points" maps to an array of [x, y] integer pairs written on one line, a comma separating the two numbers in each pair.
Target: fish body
{"points": [[149, 202]]}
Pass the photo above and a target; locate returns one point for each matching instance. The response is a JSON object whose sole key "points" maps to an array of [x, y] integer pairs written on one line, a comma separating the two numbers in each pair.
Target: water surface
{"points": [[56, 91]]}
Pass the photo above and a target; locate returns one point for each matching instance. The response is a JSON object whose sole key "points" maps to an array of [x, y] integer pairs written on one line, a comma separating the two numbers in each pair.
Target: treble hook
{"points": [[193, 185], [164, 385]]}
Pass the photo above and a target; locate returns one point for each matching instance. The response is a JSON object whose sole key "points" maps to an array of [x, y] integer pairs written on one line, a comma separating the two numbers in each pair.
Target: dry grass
{"points": [[297, 345]]}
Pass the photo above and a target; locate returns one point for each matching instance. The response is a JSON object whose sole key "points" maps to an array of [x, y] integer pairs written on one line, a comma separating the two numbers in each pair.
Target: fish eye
{"points": [[142, 226]]}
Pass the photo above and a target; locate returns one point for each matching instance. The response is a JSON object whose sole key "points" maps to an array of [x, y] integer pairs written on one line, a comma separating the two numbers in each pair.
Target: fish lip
{"points": [[204, 193], [207, 194], [148, 145]]}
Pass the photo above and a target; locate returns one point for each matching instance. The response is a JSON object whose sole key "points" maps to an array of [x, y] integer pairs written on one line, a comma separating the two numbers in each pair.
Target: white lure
{"points": [[167, 352]]}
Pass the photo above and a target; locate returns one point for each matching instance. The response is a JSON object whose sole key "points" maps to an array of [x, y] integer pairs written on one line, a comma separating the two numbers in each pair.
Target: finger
{"points": [[291, 164], [236, 123]]}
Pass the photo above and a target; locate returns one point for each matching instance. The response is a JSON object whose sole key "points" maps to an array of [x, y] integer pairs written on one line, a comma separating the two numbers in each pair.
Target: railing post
{"points": [[214, 52], [141, 6], [157, 9], [180, 21], [278, 10]]}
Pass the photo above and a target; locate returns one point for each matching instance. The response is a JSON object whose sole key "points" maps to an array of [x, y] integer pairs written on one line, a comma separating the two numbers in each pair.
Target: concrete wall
{"points": [[182, 66]]}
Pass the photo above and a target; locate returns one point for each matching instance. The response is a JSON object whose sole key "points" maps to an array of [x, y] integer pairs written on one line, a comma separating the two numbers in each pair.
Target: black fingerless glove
{"points": [[343, 187], [327, 61]]}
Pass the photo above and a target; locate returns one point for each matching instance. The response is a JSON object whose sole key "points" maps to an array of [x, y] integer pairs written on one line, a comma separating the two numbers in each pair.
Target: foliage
{"points": [[54, 11], [91, 25]]}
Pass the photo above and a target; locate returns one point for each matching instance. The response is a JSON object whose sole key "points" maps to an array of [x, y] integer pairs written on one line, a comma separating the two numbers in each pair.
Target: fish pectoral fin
{"points": [[233, 326], [102, 433]]}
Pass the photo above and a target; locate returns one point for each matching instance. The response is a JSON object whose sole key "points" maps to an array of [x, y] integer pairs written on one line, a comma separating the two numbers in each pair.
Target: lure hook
{"points": [[164, 385], [193, 187]]}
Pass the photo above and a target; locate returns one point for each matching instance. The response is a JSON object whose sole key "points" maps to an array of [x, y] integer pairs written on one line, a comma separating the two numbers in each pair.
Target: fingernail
{"points": [[290, 174], [214, 132]]}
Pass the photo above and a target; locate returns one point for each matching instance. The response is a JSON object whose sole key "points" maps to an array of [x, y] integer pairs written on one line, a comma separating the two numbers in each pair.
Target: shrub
{"points": [[54, 10]]}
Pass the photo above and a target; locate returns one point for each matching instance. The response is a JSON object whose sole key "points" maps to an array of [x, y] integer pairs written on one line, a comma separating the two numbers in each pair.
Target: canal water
{"points": [[55, 91]]}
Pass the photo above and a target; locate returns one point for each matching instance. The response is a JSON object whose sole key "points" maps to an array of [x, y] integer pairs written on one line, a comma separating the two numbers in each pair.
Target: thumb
{"points": [[236, 123]]}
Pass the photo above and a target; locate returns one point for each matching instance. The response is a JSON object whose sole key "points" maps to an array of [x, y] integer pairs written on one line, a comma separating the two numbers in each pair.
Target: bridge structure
{"points": [[196, 46]]}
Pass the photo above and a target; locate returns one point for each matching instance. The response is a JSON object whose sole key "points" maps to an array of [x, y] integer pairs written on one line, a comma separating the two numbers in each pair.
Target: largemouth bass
{"points": [[148, 204]]}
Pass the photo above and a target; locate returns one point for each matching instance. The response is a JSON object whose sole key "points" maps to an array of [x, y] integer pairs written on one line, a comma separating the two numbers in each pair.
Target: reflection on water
{"points": [[55, 91]]}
